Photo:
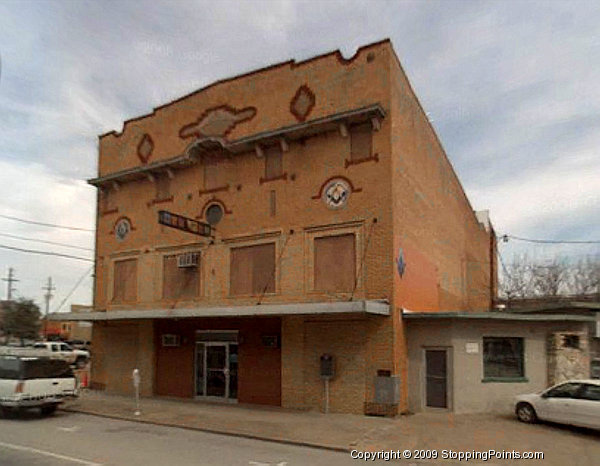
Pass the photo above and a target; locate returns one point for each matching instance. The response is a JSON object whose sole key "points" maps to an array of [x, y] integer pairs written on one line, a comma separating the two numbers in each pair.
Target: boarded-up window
{"points": [[335, 263], [179, 282], [125, 281], [273, 162], [215, 172], [361, 140], [252, 269], [163, 187]]}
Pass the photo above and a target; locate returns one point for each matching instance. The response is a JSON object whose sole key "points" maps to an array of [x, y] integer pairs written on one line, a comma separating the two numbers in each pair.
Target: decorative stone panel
{"points": [[568, 356]]}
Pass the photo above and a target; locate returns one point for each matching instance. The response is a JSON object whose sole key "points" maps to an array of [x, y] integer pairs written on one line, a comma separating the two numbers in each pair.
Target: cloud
{"points": [[565, 188]]}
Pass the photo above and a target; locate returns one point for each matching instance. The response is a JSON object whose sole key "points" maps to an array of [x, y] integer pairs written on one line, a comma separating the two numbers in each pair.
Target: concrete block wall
{"points": [[469, 393]]}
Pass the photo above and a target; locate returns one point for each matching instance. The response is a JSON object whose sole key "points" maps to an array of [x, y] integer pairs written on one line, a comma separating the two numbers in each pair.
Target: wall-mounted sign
{"points": [[183, 223], [122, 229], [336, 193], [472, 348]]}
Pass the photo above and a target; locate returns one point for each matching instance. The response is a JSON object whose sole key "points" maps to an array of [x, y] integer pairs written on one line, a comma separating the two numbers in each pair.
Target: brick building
{"points": [[332, 207]]}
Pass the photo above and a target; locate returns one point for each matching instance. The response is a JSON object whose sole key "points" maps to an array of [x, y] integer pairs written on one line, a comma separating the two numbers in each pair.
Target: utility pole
{"points": [[49, 288], [10, 280]]}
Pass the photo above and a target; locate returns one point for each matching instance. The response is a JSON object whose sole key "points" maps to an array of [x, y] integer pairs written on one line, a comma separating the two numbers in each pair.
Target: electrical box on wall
{"points": [[171, 340]]}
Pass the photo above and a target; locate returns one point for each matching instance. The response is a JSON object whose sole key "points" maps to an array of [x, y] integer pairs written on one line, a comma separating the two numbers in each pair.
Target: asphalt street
{"points": [[78, 439]]}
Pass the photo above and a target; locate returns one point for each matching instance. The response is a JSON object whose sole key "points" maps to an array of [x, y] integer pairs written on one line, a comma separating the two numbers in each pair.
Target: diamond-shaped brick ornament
{"points": [[145, 148], [302, 103]]}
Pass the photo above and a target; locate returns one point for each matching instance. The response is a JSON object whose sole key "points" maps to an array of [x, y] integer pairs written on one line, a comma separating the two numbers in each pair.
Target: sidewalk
{"points": [[346, 432], [341, 432]]}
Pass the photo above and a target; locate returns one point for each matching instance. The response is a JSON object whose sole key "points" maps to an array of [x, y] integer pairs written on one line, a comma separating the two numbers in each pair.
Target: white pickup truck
{"points": [[35, 382], [50, 349], [60, 350]]}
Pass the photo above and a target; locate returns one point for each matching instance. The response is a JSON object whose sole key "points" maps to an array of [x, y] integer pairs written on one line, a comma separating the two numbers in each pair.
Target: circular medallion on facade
{"points": [[336, 193], [214, 214], [122, 229]]}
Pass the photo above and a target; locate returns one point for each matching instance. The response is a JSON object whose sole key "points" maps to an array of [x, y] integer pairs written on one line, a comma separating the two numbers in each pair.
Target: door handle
{"points": [[54, 383]]}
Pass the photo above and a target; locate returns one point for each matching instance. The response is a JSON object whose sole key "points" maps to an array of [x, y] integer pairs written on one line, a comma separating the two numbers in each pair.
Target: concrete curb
{"points": [[297, 443]]}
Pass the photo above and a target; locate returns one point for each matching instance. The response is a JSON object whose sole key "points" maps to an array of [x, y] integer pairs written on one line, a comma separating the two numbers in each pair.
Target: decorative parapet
{"points": [[206, 145]]}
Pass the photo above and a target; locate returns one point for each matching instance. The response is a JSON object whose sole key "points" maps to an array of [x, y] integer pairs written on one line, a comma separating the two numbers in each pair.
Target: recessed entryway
{"points": [[216, 362]]}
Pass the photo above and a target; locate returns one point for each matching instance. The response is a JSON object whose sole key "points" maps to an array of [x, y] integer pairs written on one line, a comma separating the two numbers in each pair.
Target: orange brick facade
{"points": [[404, 200]]}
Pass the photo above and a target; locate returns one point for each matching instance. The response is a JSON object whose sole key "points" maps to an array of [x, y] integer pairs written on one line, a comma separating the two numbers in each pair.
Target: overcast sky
{"points": [[512, 88]]}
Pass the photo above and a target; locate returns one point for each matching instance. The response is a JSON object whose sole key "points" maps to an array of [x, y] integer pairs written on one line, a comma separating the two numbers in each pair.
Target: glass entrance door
{"points": [[216, 370]]}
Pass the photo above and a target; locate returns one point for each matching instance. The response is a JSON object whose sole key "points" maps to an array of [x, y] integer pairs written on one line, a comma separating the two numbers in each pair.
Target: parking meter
{"points": [[327, 372], [327, 368], [136, 385]]}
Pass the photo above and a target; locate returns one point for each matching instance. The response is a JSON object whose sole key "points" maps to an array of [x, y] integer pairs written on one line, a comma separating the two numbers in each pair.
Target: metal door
{"points": [[436, 378]]}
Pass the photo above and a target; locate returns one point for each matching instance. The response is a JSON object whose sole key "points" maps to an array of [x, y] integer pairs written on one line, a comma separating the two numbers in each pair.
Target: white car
{"points": [[575, 402]]}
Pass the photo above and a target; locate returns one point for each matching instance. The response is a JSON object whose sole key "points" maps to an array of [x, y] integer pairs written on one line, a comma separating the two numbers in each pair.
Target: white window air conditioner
{"points": [[188, 259]]}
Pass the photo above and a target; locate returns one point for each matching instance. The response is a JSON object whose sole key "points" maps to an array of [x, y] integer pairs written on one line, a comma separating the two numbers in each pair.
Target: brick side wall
{"points": [[117, 350], [447, 250], [360, 347]]}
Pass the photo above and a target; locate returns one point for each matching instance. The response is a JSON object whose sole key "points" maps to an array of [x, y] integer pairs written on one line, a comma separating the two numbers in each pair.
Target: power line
{"points": [[52, 225], [546, 241], [45, 241], [46, 253], [74, 288]]}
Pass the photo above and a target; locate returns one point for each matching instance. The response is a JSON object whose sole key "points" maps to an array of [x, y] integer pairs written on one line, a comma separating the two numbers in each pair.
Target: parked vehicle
{"points": [[64, 351], [595, 368], [35, 382], [80, 344], [575, 402], [52, 350]]}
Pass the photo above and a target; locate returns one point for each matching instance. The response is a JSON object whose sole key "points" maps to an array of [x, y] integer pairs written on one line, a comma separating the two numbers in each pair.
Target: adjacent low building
{"points": [[258, 240], [472, 362]]}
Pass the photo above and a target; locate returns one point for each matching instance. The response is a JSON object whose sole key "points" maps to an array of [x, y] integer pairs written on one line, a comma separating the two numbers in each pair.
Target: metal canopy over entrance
{"points": [[262, 310]]}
